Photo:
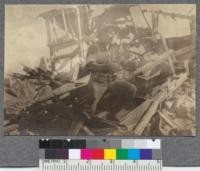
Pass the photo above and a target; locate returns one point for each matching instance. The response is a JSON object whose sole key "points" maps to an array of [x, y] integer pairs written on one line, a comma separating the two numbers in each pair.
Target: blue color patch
{"points": [[134, 154]]}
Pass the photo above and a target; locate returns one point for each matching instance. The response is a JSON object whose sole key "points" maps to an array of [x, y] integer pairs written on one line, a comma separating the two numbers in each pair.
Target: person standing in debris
{"points": [[102, 74], [101, 64]]}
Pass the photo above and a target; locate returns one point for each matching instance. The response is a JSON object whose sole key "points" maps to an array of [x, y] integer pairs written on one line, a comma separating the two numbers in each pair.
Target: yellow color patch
{"points": [[109, 154]]}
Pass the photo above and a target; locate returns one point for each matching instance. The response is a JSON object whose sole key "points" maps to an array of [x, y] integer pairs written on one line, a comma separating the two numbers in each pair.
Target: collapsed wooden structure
{"points": [[133, 122]]}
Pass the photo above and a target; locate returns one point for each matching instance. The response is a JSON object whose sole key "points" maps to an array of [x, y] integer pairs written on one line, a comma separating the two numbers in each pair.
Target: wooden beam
{"points": [[133, 117], [145, 120], [75, 72], [10, 128], [173, 15], [170, 56], [169, 121], [88, 131], [65, 89], [6, 122], [65, 23], [48, 31], [184, 50], [77, 125]]}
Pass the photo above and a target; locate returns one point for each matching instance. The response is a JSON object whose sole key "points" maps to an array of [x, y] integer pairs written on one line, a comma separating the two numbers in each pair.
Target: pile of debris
{"points": [[22, 90], [178, 112], [36, 103], [37, 100]]}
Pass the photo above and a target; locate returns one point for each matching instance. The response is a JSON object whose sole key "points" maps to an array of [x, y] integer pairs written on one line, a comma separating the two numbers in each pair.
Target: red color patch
{"points": [[98, 154]]}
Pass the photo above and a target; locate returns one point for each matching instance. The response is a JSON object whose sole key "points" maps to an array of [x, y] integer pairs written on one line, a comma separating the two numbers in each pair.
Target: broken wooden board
{"points": [[66, 88], [190, 50], [145, 120], [10, 128], [102, 114], [165, 56], [171, 122], [83, 80], [168, 14], [77, 125], [121, 114], [133, 117], [88, 131], [6, 122]]}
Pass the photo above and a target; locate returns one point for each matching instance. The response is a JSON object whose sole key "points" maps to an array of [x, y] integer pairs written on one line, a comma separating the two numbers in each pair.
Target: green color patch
{"points": [[122, 154]]}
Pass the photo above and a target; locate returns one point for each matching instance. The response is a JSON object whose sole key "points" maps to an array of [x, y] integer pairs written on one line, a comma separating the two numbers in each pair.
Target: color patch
{"points": [[74, 154], [127, 143], [98, 154], [77, 144], [86, 154], [153, 144], [122, 154], [133, 154], [44, 144], [50, 154], [109, 154], [61, 153], [56, 144], [91, 144], [146, 154], [140, 144], [156, 154]]}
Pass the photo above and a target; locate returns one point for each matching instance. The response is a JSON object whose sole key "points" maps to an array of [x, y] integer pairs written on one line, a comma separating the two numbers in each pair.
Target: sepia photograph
{"points": [[107, 70]]}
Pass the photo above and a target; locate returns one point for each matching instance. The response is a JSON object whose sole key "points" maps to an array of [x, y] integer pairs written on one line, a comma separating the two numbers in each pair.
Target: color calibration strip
{"points": [[101, 154], [110, 149]]}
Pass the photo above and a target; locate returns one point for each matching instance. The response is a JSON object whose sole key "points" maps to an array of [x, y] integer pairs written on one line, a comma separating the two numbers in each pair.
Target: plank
{"points": [[169, 121], [133, 117], [6, 122], [164, 13], [87, 131], [10, 128], [145, 120], [77, 125], [184, 50], [66, 88], [122, 113]]}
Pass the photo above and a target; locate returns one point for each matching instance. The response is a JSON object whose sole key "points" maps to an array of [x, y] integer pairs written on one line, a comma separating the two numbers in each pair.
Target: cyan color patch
{"points": [[134, 154]]}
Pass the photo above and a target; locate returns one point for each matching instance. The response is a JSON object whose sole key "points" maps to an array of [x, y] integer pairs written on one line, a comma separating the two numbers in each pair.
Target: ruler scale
{"points": [[97, 165], [109, 155]]}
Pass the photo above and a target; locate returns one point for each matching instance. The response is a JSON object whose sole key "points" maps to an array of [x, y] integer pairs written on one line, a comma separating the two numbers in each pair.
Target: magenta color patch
{"points": [[86, 154]]}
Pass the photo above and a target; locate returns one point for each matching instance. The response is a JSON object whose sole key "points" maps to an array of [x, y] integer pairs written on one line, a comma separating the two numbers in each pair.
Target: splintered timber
{"points": [[100, 70]]}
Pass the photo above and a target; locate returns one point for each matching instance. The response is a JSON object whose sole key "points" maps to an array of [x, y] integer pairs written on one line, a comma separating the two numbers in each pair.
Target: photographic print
{"points": [[116, 70]]}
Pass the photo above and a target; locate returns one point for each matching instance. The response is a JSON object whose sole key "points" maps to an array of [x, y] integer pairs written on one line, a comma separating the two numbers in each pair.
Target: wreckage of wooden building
{"points": [[66, 32]]}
